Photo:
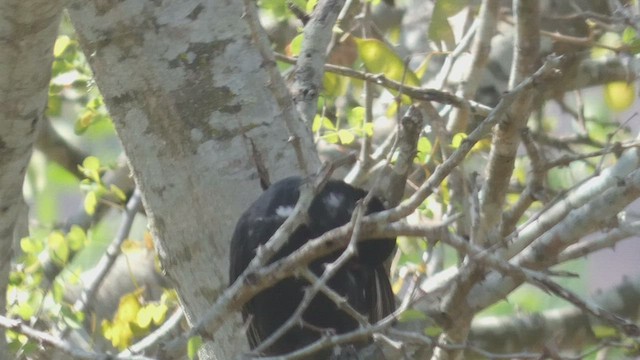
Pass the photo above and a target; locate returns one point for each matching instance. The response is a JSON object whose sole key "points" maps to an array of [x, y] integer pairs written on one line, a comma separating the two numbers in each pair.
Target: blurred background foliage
{"points": [[78, 116]]}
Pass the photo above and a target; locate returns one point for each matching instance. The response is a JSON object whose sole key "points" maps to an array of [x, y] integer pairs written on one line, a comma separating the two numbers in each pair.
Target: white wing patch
{"points": [[284, 211], [333, 200]]}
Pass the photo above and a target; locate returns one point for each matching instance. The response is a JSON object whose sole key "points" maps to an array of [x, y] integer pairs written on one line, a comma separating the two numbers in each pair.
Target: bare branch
{"points": [[310, 64], [57, 343], [108, 259]]}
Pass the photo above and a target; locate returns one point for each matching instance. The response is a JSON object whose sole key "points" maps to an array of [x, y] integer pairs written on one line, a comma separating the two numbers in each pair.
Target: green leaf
{"points": [[91, 163], [25, 310], [320, 122], [91, 168], [629, 35], [311, 4], [346, 137], [90, 202], [439, 29], [604, 332], [58, 249], [411, 315], [295, 46], [61, 45], [71, 317], [57, 291], [83, 122], [29, 246], [355, 117], [334, 85], [378, 58], [331, 137], [630, 38], [193, 345], [115, 190], [424, 150], [433, 331], [368, 129], [76, 238]]}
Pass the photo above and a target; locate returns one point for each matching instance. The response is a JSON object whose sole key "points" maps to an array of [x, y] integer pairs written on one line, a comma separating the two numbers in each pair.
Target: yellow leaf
{"points": [[128, 307], [619, 95], [144, 317], [159, 313], [457, 139]]}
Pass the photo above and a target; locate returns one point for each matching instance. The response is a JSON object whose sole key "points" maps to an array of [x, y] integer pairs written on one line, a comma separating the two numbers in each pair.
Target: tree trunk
{"points": [[27, 34], [199, 107]]}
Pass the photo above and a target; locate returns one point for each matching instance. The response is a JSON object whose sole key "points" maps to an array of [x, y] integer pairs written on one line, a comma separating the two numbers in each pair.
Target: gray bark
{"points": [[27, 34], [199, 107]]}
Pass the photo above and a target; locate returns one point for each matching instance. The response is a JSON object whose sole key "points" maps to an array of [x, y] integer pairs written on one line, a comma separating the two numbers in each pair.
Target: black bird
{"points": [[363, 281]]}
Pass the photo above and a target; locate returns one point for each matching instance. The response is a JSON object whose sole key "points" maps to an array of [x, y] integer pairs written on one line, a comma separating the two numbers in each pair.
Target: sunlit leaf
{"points": [[355, 116], [128, 307], [144, 317], [90, 202], [159, 313], [378, 58], [61, 45], [29, 245], [346, 136], [331, 137], [320, 122], [295, 46], [457, 139], [424, 150], [76, 238], [368, 129], [619, 95], [57, 290], [193, 345], [91, 163], [58, 249]]}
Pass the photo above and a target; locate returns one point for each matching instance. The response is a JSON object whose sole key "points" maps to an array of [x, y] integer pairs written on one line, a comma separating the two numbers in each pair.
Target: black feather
{"points": [[363, 281]]}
